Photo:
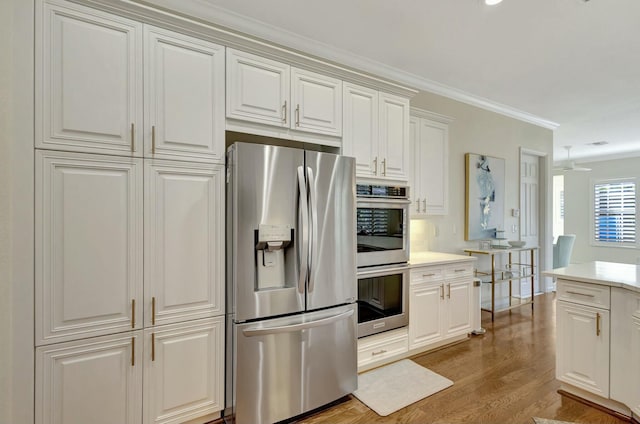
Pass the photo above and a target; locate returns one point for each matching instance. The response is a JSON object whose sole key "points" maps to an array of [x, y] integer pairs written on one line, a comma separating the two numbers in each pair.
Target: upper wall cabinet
{"points": [[88, 81], [376, 132], [184, 97], [430, 163], [273, 93], [91, 85]]}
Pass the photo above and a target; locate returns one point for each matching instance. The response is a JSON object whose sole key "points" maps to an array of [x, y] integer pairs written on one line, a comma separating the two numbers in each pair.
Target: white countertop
{"points": [[606, 273], [436, 258]]}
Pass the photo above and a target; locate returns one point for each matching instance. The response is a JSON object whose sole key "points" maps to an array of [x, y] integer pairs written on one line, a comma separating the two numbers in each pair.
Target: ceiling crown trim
{"points": [[203, 10]]}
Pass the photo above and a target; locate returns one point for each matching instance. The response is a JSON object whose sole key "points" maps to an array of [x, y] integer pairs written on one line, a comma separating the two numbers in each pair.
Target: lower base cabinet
{"points": [[100, 380]]}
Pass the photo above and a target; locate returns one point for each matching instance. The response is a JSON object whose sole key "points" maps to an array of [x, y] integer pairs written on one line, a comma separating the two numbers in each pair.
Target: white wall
{"points": [[578, 209], [16, 211]]}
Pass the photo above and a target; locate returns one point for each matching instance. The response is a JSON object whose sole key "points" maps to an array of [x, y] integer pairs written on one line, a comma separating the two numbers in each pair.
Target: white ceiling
{"points": [[569, 62]]}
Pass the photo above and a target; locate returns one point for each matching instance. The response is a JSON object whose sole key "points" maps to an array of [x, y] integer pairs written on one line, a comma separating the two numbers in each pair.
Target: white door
{"points": [[184, 241], [394, 137], [88, 245], [316, 103], [184, 97], [529, 216], [360, 135], [257, 89], [434, 160], [425, 318], [184, 371], [96, 380], [88, 81], [415, 180], [458, 309], [582, 354]]}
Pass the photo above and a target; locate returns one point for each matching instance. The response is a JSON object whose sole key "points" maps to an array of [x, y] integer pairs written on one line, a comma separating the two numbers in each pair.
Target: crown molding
{"points": [[422, 113], [239, 31]]}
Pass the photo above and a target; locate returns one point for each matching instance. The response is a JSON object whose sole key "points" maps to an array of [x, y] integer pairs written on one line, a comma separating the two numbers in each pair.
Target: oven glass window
{"points": [[379, 297], [380, 229]]}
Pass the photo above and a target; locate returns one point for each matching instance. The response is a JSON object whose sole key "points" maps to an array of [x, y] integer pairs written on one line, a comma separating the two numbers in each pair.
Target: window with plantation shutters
{"points": [[614, 212]]}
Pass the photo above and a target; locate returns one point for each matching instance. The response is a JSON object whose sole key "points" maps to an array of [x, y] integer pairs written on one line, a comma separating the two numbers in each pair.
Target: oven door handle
{"points": [[375, 202]]}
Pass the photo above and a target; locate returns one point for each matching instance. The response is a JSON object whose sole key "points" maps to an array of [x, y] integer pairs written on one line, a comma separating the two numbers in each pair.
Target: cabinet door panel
{"points": [[394, 136], [316, 102], [360, 135], [434, 159], [88, 245], [89, 81], [184, 378], [184, 97], [582, 357], [257, 89], [184, 236], [425, 317], [458, 310], [415, 180], [97, 381]]}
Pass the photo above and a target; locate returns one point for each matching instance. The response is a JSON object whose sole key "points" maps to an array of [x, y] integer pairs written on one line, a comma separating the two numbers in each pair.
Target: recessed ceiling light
{"points": [[491, 2]]}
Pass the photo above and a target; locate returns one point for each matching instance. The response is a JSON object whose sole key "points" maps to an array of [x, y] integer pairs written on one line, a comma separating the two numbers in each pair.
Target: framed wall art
{"points": [[485, 193]]}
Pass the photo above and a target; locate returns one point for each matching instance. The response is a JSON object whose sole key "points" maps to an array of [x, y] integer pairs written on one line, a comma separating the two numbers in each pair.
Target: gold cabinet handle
{"points": [[384, 167], [380, 352], [449, 291], [442, 291], [133, 313], [133, 351], [284, 112], [153, 346], [424, 205], [153, 140], [375, 166], [153, 310], [580, 294], [297, 115], [597, 324], [428, 275], [133, 141]]}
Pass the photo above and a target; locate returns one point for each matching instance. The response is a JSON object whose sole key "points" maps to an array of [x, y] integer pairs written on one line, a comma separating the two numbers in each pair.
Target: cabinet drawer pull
{"points": [[424, 205], [597, 324], [297, 115], [428, 275], [459, 270], [133, 313], [418, 202], [153, 310], [581, 294], [384, 167], [449, 291], [153, 139], [153, 347], [133, 149], [442, 291], [380, 352], [375, 166], [133, 351]]}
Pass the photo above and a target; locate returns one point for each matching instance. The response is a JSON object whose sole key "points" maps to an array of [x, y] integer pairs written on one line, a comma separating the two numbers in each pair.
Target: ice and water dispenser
{"points": [[271, 262]]}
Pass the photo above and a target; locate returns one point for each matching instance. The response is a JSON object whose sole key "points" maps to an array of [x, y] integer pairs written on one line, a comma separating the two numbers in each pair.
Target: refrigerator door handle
{"points": [[262, 331], [303, 217], [313, 236]]}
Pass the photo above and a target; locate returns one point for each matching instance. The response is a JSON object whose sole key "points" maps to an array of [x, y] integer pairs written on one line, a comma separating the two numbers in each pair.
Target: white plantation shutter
{"points": [[615, 212]]}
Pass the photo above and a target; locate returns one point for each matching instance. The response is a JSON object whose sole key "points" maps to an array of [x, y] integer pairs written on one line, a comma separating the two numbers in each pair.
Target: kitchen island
{"points": [[598, 334]]}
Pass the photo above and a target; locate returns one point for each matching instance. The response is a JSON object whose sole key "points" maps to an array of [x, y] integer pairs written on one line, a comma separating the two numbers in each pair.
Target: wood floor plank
{"points": [[505, 376]]}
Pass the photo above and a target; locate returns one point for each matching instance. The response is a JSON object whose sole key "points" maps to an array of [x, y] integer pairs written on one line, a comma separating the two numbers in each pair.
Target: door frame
{"points": [[545, 214]]}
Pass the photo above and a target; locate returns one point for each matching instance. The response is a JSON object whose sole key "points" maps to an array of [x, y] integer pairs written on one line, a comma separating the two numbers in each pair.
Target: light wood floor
{"points": [[505, 376]]}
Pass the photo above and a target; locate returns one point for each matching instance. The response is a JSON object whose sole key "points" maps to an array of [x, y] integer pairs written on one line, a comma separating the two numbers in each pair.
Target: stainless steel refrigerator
{"points": [[291, 281]]}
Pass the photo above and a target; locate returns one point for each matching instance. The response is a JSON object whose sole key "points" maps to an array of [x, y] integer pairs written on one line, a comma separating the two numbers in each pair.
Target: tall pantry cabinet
{"points": [[129, 221]]}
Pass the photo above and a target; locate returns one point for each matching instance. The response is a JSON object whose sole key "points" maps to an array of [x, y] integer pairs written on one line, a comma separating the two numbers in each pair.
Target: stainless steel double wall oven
{"points": [[382, 225]]}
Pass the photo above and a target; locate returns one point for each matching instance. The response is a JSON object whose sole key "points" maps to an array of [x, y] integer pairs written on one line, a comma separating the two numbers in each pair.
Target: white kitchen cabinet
{"points": [[184, 371], [89, 85], [184, 97], [582, 351], [184, 241], [430, 163], [269, 92], [440, 303], [625, 343], [96, 380], [88, 245], [376, 132], [382, 348]]}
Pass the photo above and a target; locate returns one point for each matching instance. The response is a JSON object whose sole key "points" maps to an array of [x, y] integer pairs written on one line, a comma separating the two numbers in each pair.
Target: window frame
{"points": [[592, 208]]}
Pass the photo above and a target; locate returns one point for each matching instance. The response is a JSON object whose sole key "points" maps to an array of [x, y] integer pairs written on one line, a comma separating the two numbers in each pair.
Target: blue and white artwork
{"points": [[485, 196]]}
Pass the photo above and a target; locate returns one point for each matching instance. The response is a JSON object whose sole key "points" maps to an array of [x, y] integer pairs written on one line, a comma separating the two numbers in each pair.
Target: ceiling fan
{"points": [[569, 165]]}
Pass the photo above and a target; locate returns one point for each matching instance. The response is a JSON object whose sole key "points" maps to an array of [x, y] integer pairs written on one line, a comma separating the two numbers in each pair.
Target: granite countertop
{"points": [[436, 258], [605, 273]]}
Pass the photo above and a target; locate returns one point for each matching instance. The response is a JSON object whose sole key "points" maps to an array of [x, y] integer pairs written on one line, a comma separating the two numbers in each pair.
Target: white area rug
{"points": [[394, 386]]}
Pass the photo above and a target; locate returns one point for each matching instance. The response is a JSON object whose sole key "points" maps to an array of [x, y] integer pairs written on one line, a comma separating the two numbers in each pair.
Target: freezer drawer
{"points": [[287, 366]]}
